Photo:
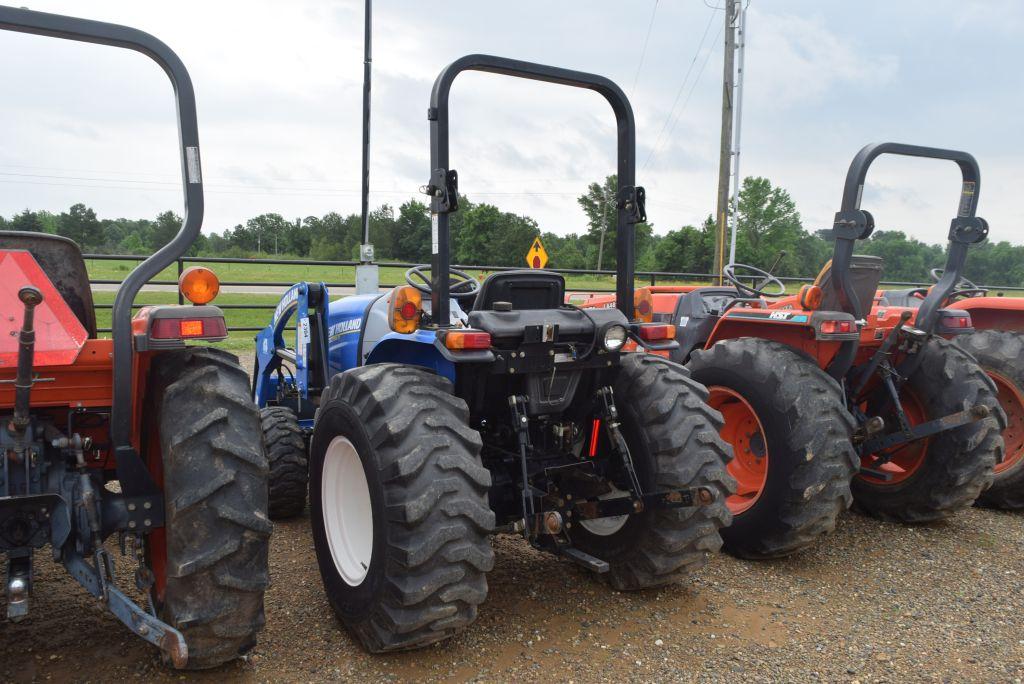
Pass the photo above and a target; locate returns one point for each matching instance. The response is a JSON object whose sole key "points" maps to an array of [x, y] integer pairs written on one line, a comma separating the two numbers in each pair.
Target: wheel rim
{"points": [[907, 459], [605, 527], [348, 517], [1011, 398], [743, 430]]}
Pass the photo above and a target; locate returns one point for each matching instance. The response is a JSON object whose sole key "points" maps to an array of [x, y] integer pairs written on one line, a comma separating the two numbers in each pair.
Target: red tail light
{"points": [[836, 327], [187, 328], [467, 340], [651, 333], [957, 321]]}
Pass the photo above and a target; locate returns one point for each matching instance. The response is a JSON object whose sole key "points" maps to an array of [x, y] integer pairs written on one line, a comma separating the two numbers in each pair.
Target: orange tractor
{"points": [[142, 438], [820, 399], [997, 343]]}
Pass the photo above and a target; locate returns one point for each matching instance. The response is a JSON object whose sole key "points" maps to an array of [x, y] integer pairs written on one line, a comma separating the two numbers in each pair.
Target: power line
{"points": [[679, 93], [643, 52]]}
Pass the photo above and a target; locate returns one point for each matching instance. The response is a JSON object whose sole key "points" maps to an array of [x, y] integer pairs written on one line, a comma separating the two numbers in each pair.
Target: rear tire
{"points": [[1001, 354], [673, 440], [958, 464], [215, 489], [289, 466], [418, 576], [801, 427]]}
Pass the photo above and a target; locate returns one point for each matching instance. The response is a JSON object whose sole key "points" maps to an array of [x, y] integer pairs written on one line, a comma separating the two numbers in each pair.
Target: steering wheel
{"points": [[461, 285], [964, 287], [757, 290]]}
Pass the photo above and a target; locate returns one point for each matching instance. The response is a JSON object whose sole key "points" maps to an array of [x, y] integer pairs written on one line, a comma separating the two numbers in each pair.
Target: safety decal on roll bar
{"points": [[966, 198], [433, 233], [195, 174]]}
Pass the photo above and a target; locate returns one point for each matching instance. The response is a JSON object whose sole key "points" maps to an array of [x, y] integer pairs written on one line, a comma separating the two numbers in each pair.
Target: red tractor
{"points": [[142, 441], [808, 383], [997, 343]]}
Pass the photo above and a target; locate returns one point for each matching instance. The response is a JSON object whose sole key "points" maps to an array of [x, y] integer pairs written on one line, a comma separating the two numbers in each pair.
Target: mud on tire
{"points": [[428, 496], [215, 488], [673, 440], [1001, 354], [289, 466], [958, 464], [806, 434]]}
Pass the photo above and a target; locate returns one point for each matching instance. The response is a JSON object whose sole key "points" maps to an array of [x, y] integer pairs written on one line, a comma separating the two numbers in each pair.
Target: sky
{"points": [[279, 89]]}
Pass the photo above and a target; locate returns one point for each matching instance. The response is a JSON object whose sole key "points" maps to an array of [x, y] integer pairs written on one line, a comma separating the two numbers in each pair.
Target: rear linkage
{"points": [[30, 515], [868, 439], [548, 516]]}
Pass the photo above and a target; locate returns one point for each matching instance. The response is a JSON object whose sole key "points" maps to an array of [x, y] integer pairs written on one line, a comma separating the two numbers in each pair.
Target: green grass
{"points": [[241, 342], [290, 273]]}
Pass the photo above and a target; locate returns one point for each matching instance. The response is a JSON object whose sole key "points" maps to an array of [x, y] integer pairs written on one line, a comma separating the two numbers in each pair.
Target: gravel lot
{"points": [[873, 602]]}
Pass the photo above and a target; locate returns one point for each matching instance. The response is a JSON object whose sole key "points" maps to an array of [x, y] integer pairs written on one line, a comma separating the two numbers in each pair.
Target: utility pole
{"points": [[725, 150], [367, 273], [604, 227], [736, 178]]}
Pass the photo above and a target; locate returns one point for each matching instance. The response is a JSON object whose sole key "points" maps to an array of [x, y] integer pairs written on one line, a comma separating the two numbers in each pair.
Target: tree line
{"points": [[483, 234]]}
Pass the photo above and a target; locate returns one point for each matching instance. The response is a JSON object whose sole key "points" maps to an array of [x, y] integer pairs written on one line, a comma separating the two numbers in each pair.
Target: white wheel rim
{"points": [[605, 527], [348, 517]]}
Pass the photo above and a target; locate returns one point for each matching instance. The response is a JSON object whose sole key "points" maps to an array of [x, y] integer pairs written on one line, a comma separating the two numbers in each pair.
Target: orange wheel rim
{"points": [[744, 432], [903, 461], [1011, 398]]}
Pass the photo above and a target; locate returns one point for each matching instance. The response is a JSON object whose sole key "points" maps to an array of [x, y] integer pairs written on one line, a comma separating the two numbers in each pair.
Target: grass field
{"points": [[241, 342]]}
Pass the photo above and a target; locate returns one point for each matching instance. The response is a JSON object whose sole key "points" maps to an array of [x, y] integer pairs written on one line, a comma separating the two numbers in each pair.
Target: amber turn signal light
{"points": [[643, 305], [405, 309], [198, 285], [810, 297]]}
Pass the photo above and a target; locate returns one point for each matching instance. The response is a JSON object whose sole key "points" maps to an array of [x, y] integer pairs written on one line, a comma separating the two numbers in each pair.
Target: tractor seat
{"points": [[61, 261], [865, 274], [902, 298], [525, 289]]}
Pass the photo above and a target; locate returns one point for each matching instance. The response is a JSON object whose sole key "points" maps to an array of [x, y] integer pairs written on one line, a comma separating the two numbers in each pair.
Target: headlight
{"points": [[614, 337]]}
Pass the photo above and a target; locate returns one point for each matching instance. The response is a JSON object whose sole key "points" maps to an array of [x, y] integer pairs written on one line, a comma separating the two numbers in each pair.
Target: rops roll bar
{"points": [[443, 185], [87, 31], [853, 223]]}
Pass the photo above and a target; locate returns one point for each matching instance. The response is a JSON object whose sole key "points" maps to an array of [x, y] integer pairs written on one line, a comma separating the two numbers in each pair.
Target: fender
{"points": [[795, 328], [421, 348], [993, 313]]}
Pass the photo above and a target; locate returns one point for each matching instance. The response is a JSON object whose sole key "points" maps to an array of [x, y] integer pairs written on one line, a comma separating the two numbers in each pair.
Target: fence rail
{"points": [[651, 277]]}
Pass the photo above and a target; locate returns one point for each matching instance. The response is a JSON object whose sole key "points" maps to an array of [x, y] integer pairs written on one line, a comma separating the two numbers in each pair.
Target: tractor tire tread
{"points": [[288, 462], [216, 527]]}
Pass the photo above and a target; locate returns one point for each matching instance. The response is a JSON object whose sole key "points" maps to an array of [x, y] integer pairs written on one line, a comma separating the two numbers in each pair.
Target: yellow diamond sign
{"points": [[537, 257]]}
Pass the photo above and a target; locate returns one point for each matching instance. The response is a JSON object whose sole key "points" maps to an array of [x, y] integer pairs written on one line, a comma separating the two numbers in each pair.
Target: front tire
{"points": [[289, 466], [213, 566], [932, 478], [673, 439], [790, 431], [1001, 354], [398, 501]]}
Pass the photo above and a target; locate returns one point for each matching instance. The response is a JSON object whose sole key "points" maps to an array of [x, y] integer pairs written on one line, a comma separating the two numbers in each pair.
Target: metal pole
{"points": [[367, 273], [604, 227], [725, 148], [738, 120]]}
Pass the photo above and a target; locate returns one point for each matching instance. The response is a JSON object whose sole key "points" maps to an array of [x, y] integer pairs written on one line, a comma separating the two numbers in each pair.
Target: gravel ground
{"points": [[873, 602]]}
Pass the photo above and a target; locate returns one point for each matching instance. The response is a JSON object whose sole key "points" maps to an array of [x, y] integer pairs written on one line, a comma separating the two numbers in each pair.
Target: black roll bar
{"points": [[852, 224], [88, 31], [443, 185]]}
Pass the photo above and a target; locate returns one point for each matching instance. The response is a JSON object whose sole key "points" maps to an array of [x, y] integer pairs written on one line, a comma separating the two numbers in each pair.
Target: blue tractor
{"points": [[448, 410]]}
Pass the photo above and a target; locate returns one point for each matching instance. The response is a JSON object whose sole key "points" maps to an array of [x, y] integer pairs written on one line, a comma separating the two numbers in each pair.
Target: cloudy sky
{"points": [[279, 88]]}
